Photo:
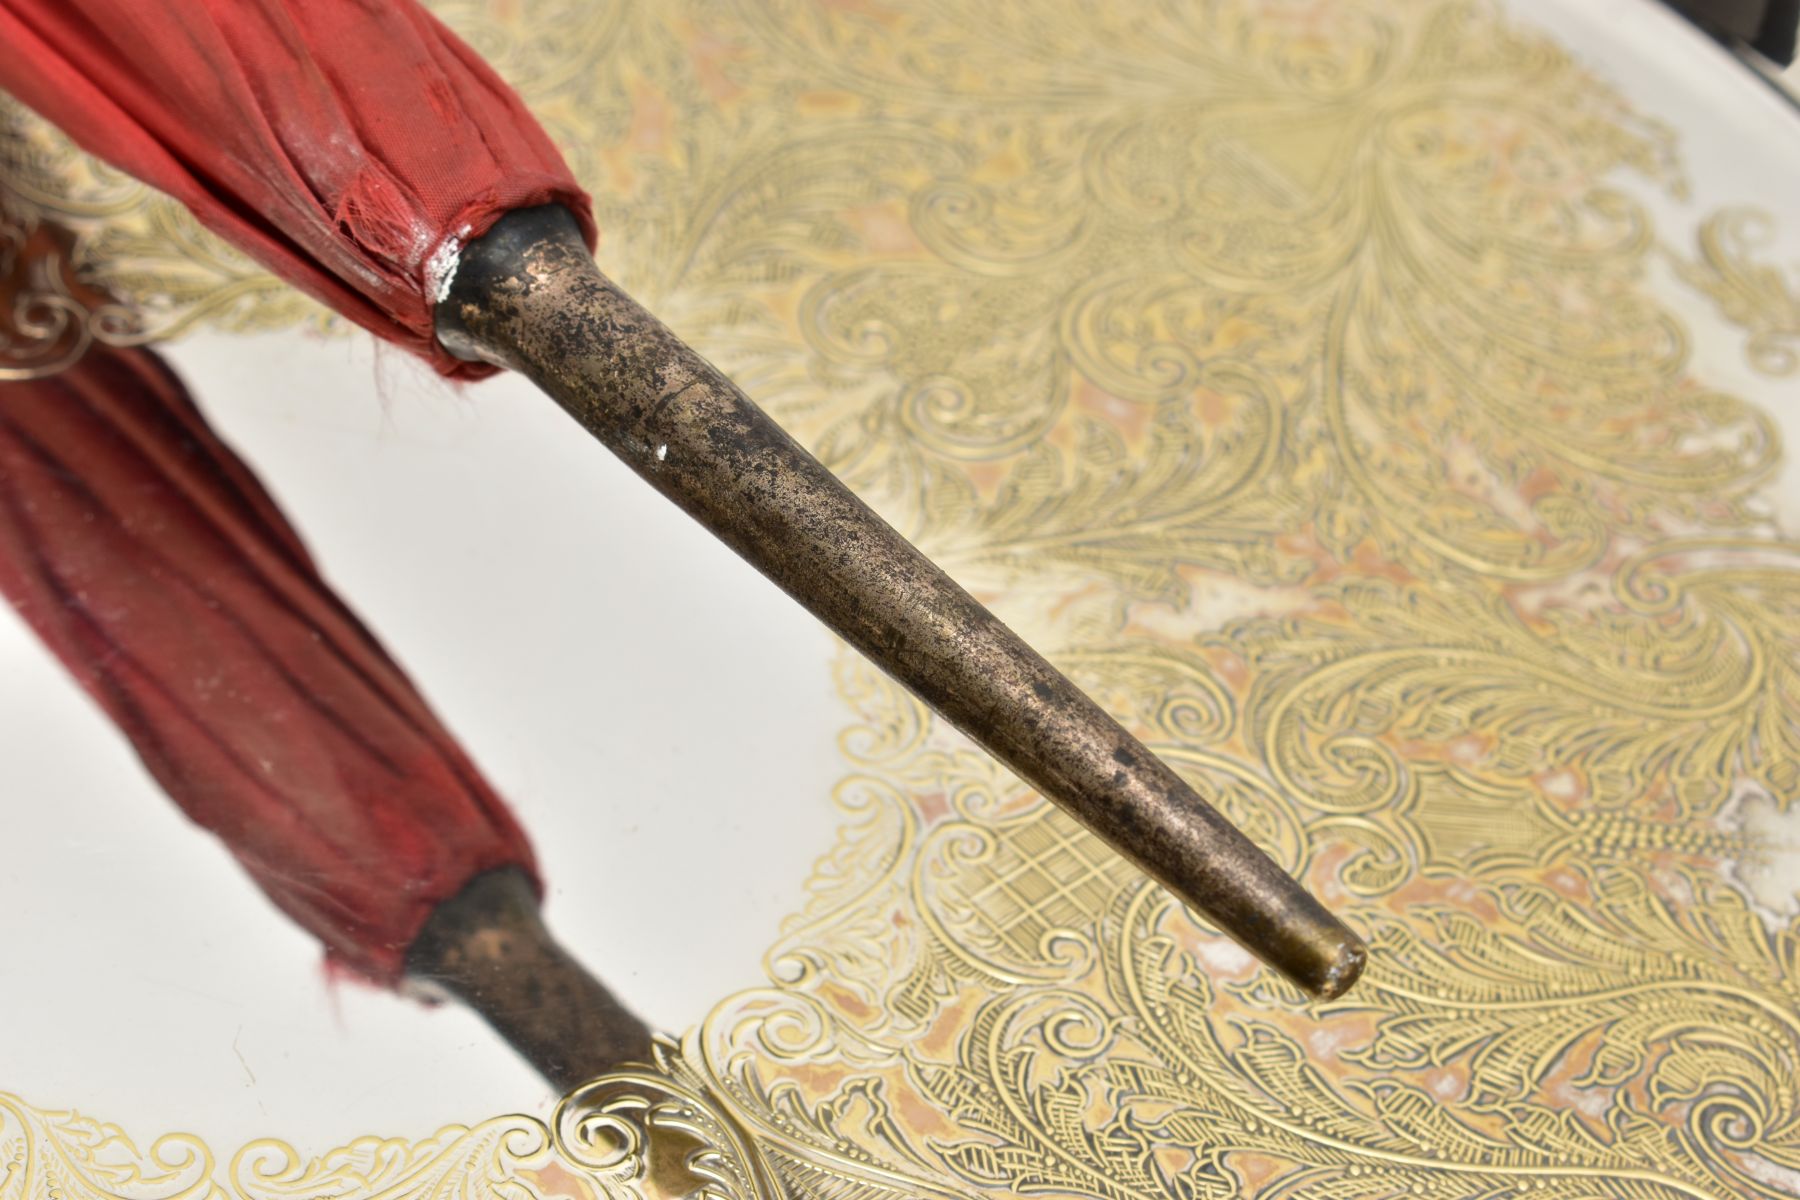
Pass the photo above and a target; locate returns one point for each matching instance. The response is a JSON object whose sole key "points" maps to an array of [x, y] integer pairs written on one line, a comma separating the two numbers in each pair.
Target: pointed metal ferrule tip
{"points": [[528, 296]]}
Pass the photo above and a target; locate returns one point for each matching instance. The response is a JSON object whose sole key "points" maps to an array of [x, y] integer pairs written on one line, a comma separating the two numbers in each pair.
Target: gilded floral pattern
{"points": [[1753, 295], [1289, 372]]}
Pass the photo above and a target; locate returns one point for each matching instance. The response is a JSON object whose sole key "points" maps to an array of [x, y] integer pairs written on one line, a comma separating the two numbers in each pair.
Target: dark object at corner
{"points": [[1766, 26]]}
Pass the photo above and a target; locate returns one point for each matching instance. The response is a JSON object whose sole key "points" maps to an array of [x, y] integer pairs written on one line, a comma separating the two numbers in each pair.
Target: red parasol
{"points": [[149, 559], [155, 566], [361, 151], [348, 145]]}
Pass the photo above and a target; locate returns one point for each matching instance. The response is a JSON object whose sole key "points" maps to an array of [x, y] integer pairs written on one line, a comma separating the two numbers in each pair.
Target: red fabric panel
{"points": [[151, 562], [338, 142]]}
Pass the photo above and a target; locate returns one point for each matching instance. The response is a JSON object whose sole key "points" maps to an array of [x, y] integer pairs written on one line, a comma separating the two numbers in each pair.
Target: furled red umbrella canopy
{"points": [[149, 559], [351, 146], [155, 566], [358, 148]]}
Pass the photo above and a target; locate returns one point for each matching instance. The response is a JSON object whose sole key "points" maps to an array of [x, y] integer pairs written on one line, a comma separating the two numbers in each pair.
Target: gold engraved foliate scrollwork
{"points": [[1291, 373], [643, 1136], [1755, 296], [1523, 648], [47, 319]]}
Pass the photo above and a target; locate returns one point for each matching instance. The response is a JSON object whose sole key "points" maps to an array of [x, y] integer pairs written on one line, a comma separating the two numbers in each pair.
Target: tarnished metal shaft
{"points": [[488, 947], [529, 297]]}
